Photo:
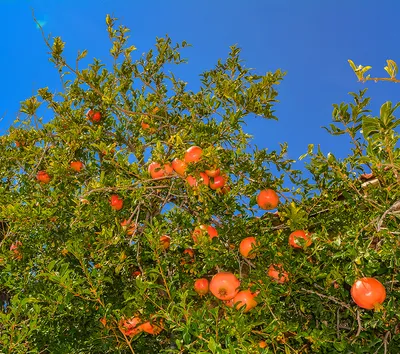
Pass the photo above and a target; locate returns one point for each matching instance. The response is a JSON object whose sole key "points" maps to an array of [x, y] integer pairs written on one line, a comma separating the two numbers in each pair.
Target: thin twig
{"points": [[127, 188], [40, 160], [385, 341], [329, 298], [395, 207], [359, 329], [376, 79]]}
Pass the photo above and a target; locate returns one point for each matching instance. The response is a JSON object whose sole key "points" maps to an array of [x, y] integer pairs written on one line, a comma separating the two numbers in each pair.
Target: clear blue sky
{"points": [[310, 39]]}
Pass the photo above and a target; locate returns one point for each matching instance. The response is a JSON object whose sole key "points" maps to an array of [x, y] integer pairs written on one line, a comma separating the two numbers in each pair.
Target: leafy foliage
{"points": [[71, 273]]}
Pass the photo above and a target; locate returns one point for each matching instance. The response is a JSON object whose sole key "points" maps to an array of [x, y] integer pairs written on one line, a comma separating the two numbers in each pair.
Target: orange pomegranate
{"points": [[245, 298], [224, 285], [43, 177], [218, 182], [246, 247], [193, 181], [193, 154], [179, 166], [277, 273], [89, 114], [299, 234], [214, 172], [368, 293], [116, 202], [165, 241], [267, 199], [201, 286], [156, 171], [201, 230], [76, 165], [204, 178], [93, 116]]}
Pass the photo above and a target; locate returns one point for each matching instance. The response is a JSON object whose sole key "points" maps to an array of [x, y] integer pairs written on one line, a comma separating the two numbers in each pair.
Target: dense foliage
{"points": [[74, 280]]}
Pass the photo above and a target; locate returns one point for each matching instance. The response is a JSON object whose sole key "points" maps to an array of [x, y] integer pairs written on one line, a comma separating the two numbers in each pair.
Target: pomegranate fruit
{"points": [[179, 166], [299, 234], [116, 202], [76, 165], [277, 273], [201, 230], [368, 293], [224, 286], [246, 246], [193, 154], [245, 298], [201, 286], [267, 199], [43, 177]]}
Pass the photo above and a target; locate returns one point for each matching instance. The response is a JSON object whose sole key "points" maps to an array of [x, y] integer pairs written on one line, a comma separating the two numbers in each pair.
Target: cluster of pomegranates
{"points": [[211, 177], [134, 325], [15, 249], [367, 293], [42, 176], [225, 285]]}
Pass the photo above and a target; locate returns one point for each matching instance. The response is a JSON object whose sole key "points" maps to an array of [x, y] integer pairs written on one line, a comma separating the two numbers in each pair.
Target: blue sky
{"points": [[310, 39]]}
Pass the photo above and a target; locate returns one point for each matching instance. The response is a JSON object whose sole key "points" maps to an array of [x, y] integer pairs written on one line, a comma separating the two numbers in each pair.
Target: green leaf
{"points": [[391, 68], [352, 64], [370, 126], [212, 345], [82, 54], [340, 346], [187, 338]]}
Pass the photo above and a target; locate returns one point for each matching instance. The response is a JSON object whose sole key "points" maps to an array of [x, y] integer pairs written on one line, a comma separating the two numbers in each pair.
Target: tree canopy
{"points": [[136, 187]]}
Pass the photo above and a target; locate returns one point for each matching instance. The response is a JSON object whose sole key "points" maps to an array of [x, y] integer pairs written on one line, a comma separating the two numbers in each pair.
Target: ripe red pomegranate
{"points": [[179, 166], [299, 234], [116, 202], [277, 273], [202, 230], [368, 293], [43, 177], [76, 165], [224, 285], [201, 286], [193, 154], [245, 298], [246, 247], [267, 199]]}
